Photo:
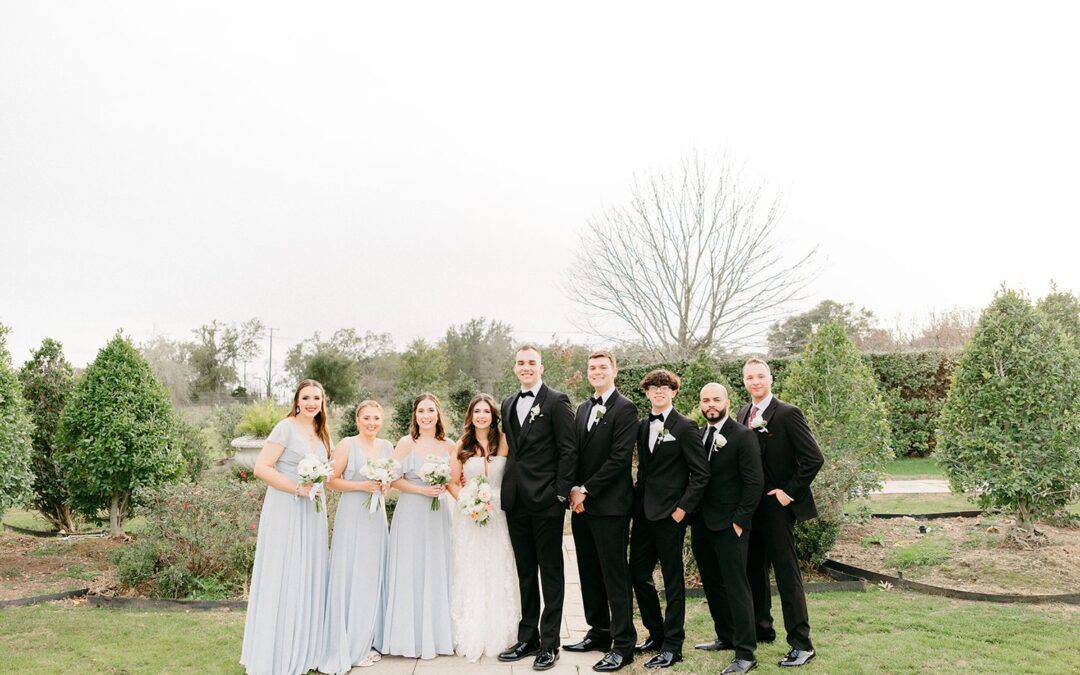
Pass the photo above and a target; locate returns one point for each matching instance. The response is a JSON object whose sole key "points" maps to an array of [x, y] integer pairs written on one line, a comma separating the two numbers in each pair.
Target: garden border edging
{"points": [[49, 597]]}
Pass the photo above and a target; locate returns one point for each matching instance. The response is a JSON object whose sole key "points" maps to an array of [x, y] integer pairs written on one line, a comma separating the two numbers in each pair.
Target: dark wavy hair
{"points": [[470, 446], [440, 426]]}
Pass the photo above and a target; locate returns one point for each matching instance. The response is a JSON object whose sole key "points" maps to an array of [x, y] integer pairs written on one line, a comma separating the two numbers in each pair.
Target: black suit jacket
{"points": [[735, 478], [790, 455], [674, 473], [605, 455], [542, 459]]}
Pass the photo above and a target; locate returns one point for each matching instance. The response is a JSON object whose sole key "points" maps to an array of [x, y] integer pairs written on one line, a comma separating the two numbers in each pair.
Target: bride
{"points": [[485, 599]]}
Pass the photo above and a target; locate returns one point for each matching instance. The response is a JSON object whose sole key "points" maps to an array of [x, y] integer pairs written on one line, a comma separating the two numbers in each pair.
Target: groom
{"points": [[536, 486]]}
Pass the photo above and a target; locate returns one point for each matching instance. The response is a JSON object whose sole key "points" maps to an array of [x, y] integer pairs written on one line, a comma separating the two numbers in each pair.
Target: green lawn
{"points": [[907, 468], [32, 520], [914, 503], [873, 632]]}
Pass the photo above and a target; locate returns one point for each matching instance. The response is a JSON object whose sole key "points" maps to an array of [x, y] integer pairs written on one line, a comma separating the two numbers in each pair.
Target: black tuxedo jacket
{"points": [[674, 473], [790, 455], [542, 460], [605, 455], [735, 478]]}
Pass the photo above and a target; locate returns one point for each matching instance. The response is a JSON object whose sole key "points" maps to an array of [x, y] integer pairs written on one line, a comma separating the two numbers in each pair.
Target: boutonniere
{"points": [[600, 410], [759, 424], [664, 437], [719, 441], [534, 413]]}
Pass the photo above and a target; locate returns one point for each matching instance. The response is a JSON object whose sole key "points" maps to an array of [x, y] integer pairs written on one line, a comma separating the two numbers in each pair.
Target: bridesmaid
{"points": [[417, 623], [358, 556], [284, 630]]}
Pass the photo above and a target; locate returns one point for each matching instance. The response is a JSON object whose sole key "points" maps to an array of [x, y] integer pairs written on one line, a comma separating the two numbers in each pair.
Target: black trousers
{"points": [[721, 559], [537, 543], [652, 541], [772, 543], [601, 542]]}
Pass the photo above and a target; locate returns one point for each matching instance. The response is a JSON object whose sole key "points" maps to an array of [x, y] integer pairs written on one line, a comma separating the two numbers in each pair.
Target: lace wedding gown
{"points": [[486, 602]]}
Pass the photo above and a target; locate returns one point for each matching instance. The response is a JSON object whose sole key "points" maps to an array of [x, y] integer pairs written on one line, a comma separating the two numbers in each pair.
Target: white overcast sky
{"points": [[406, 167]]}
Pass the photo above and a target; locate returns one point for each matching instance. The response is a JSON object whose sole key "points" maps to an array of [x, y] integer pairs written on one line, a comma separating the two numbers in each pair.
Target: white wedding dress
{"points": [[486, 603]]}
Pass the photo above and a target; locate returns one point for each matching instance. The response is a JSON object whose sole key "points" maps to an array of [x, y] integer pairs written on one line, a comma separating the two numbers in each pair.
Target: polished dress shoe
{"points": [[611, 662], [797, 657], [739, 666], [651, 644], [546, 658], [664, 659], [589, 644], [717, 645], [519, 651]]}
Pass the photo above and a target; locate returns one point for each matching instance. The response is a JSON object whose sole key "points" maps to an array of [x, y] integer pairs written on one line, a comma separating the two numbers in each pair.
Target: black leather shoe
{"points": [[739, 666], [651, 644], [611, 662], [519, 651], [589, 644], [714, 646], [664, 659], [796, 658], [546, 659]]}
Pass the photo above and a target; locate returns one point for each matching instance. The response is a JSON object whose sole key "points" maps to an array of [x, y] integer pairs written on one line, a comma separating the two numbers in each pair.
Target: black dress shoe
{"points": [[651, 644], [589, 644], [797, 657], [739, 666], [546, 659], [519, 651], [664, 659], [611, 662], [715, 646]]}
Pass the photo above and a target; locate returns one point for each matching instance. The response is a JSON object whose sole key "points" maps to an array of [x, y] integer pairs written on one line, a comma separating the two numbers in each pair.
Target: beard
{"points": [[713, 415]]}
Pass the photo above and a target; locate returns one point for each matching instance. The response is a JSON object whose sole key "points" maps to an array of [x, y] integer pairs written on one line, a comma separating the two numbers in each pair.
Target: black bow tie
{"points": [[525, 394], [653, 418], [597, 400]]}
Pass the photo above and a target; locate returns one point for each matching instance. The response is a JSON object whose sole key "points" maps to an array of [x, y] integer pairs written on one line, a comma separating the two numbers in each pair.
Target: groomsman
{"points": [[720, 531], [791, 459], [672, 474], [607, 425], [536, 486]]}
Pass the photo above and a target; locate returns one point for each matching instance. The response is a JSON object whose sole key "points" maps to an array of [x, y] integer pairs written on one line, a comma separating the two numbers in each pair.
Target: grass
{"points": [[873, 632], [909, 468], [925, 553], [914, 503], [32, 520]]}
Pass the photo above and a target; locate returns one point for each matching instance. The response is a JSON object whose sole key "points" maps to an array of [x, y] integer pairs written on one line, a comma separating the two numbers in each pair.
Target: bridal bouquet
{"points": [[383, 472], [315, 472], [474, 500], [435, 471]]}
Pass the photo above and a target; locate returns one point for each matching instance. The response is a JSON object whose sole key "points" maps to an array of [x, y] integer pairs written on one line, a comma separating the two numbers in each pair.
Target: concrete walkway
{"points": [[902, 487]]}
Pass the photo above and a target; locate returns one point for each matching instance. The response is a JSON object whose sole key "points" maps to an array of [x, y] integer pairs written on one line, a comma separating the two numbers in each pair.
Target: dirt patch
{"points": [[963, 553], [37, 566]]}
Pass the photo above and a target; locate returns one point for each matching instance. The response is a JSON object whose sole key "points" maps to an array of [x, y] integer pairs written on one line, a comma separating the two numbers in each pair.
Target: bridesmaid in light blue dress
{"points": [[357, 597], [417, 623], [284, 629]]}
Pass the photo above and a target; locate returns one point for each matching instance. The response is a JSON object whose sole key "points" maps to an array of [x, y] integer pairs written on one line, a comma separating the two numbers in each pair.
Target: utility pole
{"points": [[270, 366]]}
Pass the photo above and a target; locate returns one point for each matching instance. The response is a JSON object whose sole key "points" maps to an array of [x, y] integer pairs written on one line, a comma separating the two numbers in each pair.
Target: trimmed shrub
{"points": [[16, 443], [1010, 428], [815, 538], [47, 381], [117, 433], [914, 386]]}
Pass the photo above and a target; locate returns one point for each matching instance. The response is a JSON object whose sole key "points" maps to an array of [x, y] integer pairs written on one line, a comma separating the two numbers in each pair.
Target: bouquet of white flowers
{"points": [[383, 472], [435, 471], [474, 500], [314, 472]]}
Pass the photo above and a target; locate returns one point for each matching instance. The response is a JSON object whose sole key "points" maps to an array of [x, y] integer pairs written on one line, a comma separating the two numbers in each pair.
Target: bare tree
{"points": [[693, 261]]}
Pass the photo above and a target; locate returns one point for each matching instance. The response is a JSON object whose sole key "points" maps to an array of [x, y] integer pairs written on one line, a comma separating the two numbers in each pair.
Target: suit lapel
{"points": [[607, 406], [510, 418], [668, 423], [541, 396], [583, 418], [768, 413]]}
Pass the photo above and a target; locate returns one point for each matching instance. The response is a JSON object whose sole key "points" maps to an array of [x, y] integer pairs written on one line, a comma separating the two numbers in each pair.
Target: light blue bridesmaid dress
{"points": [[286, 612], [417, 622], [357, 595]]}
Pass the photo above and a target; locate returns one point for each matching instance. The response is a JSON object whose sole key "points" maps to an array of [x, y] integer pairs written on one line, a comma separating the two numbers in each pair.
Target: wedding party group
{"points": [[471, 562]]}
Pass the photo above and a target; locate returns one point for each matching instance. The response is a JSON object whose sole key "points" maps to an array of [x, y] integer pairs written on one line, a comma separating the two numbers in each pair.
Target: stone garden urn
{"points": [[246, 450]]}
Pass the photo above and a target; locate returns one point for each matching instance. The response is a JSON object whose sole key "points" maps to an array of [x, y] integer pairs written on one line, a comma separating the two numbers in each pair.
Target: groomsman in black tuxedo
{"points": [[791, 458], [672, 474], [536, 486], [720, 531], [603, 495]]}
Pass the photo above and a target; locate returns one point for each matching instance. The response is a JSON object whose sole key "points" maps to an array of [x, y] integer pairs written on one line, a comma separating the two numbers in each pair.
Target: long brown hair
{"points": [[322, 418], [414, 426], [470, 445]]}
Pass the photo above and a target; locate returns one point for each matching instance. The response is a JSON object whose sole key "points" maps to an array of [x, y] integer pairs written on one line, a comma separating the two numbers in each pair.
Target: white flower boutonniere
{"points": [[534, 413], [664, 437], [600, 410], [759, 424], [719, 441]]}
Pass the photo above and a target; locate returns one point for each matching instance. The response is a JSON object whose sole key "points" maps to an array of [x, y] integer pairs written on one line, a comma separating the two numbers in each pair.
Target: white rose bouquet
{"points": [[435, 471], [474, 500], [383, 472], [314, 471]]}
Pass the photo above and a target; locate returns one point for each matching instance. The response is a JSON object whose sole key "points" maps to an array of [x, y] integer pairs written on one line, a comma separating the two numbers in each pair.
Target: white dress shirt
{"points": [[526, 403], [604, 399], [760, 407], [655, 429]]}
